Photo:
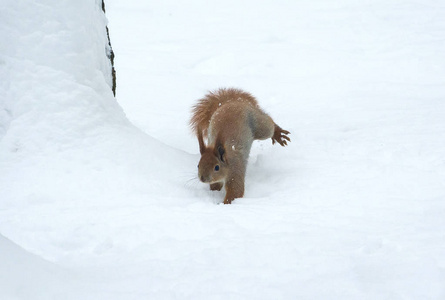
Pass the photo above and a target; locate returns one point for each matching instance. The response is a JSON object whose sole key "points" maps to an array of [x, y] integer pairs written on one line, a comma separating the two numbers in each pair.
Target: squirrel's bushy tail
{"points": [[202, 112]]}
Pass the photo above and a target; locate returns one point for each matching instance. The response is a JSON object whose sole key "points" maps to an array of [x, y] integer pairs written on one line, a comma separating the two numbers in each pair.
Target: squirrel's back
{"points": [[202, 112]]}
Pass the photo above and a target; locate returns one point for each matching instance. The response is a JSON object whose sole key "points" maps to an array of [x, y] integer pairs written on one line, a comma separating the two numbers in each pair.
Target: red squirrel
{"points": [[231, 120]]}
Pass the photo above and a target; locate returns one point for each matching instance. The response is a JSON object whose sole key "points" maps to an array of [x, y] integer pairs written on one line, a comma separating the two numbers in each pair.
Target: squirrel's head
{"points": [[213, 166]]}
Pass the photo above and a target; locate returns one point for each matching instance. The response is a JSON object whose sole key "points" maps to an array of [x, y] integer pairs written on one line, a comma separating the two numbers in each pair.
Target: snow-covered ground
{"points": [[99, 198]]}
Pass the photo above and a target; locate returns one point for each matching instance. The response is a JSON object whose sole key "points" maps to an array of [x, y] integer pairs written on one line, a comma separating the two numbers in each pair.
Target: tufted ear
{"points": [[219, 150], [222, 153], [202, 146]]}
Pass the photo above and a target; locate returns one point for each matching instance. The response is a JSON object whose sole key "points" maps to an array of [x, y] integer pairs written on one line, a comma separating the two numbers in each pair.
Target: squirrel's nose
{"points": [[204, 179]]}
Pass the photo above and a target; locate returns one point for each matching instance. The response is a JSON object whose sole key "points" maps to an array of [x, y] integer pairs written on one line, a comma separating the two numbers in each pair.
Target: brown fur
{"points": [[230, 120]]}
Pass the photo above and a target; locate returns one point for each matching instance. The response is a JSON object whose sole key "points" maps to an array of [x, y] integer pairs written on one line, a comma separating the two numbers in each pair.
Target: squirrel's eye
{"points": [[216, 168]]}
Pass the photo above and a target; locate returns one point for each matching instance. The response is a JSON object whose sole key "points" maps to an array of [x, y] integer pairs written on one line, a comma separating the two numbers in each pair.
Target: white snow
{"points": [[94, 207]]}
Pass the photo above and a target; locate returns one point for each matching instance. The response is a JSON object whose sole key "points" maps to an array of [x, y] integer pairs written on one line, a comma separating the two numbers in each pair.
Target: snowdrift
{"points": [[60, 120], [26, 276], [64, 140]]}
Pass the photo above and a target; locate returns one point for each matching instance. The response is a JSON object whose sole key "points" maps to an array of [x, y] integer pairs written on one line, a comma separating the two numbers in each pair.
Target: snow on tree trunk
{"points": [[56, 74]]}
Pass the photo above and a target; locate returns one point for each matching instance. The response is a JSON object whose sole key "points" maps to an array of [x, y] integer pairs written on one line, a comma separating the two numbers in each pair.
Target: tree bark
{"points": [[110, 55]]}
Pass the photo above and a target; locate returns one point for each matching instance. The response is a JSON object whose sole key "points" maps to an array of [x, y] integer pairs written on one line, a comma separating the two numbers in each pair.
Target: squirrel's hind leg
{"points": [[262, 126]]}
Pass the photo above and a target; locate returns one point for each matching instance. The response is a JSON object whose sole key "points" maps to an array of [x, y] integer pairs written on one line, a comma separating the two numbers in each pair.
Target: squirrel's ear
{"points": [[222, 153], [219, 150], [202, 146]]}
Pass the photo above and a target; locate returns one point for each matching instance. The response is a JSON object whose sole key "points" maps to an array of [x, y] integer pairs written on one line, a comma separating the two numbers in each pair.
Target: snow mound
{"points": [[26, 276], [59, 118]]}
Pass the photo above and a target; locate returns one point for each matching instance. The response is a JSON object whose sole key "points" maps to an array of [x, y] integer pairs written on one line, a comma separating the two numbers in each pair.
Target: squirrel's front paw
{"points": [[280, 136]]}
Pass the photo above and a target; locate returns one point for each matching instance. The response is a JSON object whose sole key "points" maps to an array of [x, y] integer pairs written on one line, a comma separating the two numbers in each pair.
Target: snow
{"points": [[99, 197]]}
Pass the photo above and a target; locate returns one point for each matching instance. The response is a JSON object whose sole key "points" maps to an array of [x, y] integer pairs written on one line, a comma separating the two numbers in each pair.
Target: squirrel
{"points": [[231, 120]]}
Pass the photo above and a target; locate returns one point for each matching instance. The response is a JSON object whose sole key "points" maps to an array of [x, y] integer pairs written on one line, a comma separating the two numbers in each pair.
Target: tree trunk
{"points": [[110, 55]]}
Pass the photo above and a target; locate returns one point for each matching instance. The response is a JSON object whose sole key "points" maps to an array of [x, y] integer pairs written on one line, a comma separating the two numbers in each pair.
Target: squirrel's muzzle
{"points": [[204, 179]]}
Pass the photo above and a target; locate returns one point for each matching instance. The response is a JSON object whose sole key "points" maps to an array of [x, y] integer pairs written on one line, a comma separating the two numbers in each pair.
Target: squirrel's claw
{"points": [[280, 136]]}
